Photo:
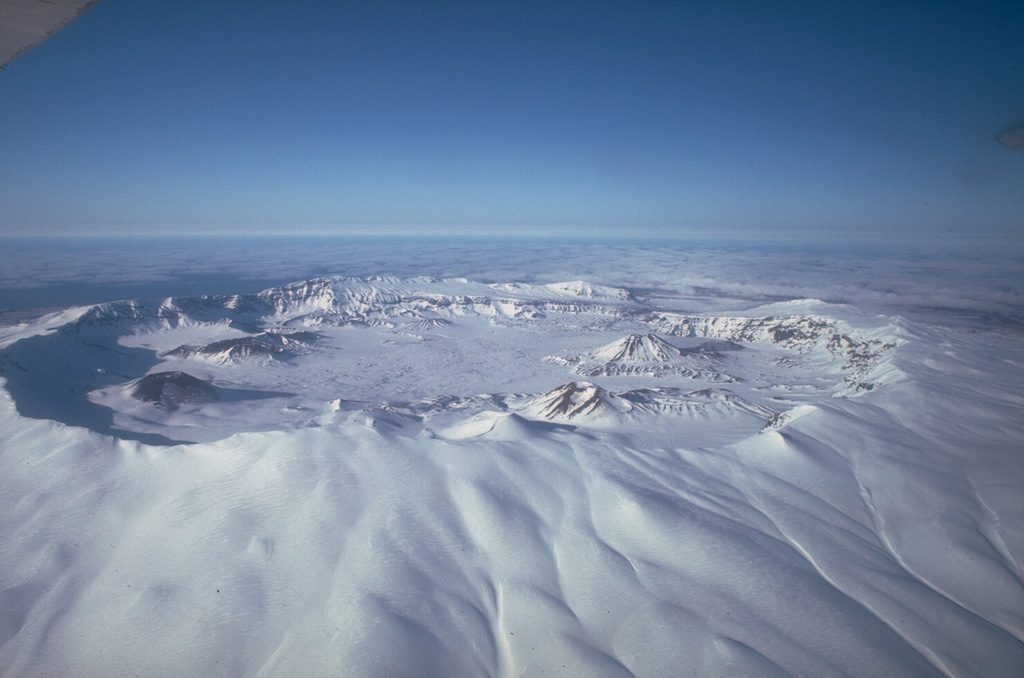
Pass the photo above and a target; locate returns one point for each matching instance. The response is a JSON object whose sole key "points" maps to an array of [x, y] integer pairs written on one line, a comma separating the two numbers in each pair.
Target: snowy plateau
{"points": [[441, 477]]}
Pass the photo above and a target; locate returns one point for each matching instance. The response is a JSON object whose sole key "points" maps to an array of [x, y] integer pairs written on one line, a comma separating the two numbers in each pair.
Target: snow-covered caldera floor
{"points": [[431, 477]]}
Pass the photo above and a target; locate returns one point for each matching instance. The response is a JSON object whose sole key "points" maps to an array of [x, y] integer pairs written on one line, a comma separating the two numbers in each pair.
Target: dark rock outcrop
{"points": [[173, 389]]}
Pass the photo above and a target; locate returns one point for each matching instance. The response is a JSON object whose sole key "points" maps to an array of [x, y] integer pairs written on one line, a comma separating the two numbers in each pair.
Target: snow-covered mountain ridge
{"points": [[450, 478], [340, 297]]}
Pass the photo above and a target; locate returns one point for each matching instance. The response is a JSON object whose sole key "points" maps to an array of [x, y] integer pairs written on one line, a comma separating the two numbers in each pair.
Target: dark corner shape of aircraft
{"points": [[1012, 136]]}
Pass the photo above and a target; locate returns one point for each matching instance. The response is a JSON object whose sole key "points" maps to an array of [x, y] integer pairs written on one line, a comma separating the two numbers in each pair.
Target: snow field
{"points": [[861, 533]]}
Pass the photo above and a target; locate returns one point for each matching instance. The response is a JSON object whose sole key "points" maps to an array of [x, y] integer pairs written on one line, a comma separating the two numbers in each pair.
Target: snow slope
{"points": [[425, 486]]}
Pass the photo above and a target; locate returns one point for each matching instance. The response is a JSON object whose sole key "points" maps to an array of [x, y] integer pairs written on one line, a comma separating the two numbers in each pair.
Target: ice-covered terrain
{"points": [[441, 477]]}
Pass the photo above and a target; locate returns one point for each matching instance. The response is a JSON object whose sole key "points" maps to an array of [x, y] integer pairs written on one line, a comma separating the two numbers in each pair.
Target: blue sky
{"points": [[651, 118]]}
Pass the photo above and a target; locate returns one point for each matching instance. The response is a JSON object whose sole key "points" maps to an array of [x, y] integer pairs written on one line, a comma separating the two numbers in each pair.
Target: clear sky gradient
{"points": [[604, 118]]}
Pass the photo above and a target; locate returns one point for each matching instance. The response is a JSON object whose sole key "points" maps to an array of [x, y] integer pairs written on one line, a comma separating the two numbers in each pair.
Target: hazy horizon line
{"points": [[726, 235]]}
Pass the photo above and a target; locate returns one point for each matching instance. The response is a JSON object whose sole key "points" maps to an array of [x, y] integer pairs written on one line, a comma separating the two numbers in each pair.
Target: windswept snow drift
{"points": [[441, 477]]}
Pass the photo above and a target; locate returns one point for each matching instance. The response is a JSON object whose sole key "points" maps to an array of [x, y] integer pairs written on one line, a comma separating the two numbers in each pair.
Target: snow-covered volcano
{"points": [[366, 340], [583, 402], [572, 402], [391, 476], [652, 356], [638, 348]]}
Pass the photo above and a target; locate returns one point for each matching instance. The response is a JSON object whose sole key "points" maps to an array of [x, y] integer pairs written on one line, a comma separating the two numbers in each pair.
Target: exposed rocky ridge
{"points": [[794, 332], [335, 301], [583, 401], [703, 401], [801, 334], [426, 325], [265, 344]]}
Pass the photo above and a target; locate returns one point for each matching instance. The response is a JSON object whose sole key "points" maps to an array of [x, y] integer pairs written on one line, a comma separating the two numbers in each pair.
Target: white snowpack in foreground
{"points": [[421, 477]]}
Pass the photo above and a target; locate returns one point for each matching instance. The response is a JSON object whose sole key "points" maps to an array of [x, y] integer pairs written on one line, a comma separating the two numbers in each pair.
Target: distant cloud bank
{"points": [[950, 285]]}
